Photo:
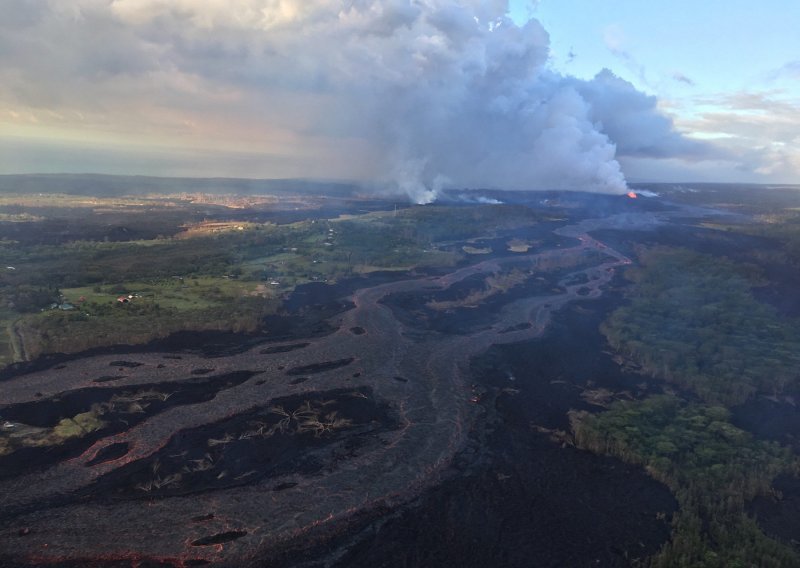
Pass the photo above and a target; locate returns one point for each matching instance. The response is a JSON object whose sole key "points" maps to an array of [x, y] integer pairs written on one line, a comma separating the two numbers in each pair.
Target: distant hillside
{"points": [[111, 185]]}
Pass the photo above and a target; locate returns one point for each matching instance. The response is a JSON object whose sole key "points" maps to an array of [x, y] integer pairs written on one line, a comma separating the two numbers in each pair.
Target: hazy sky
{"points": [[412, 93], [724, 70]]}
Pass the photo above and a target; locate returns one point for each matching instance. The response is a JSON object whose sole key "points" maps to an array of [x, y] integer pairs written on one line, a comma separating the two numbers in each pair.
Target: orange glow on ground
{"points": [[632, 195]]}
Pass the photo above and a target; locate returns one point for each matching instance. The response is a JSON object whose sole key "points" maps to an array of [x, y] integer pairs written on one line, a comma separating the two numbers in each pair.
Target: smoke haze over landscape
{"points": [[404, 95]]}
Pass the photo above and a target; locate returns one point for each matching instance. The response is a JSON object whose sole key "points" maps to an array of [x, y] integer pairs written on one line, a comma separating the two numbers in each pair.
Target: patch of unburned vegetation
{"points": [[692, 320], [497, 283], [712, 467], [519, 246], [476, 250]]}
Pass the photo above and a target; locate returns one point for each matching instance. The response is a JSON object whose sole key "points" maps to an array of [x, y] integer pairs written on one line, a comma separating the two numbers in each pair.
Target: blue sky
{"points": [[418, 94], [708, 62], [724, 46]]}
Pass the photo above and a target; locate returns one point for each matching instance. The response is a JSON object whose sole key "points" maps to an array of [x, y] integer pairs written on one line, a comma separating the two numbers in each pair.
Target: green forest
{"points": [[712, 467], [692, 320]]}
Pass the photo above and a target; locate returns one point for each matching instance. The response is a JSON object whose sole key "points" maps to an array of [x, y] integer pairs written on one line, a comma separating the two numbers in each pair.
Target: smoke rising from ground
{"points": [[469, 104], [410, 95]]}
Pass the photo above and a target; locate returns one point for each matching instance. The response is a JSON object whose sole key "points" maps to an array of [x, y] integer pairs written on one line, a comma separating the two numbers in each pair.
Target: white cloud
{"points": [[790, 70], [410, 92]]}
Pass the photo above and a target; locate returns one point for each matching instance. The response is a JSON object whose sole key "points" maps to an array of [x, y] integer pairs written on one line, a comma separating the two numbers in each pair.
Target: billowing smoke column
{"points": [[460, 96], [414, 95], [432, 93]]}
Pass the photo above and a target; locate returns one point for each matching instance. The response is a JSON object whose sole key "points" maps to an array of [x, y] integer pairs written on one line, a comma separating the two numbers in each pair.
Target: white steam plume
{"points": [[459, 92], [414, 93], [440, 90]]}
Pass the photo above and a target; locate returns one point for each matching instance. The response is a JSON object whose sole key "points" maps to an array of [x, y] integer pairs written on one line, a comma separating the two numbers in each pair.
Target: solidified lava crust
{"points": [[320, 367], [300, 434], [284, 348], [268, 462], [110, 453], [219, 538], [119, 407], [128, 364]]}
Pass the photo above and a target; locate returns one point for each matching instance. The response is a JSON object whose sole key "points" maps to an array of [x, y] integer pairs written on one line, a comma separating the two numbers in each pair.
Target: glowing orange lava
{"points": [[632, 195]]}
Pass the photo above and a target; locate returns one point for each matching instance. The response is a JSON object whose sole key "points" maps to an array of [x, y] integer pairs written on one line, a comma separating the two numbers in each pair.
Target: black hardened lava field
{"points": [[498, 379]]}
